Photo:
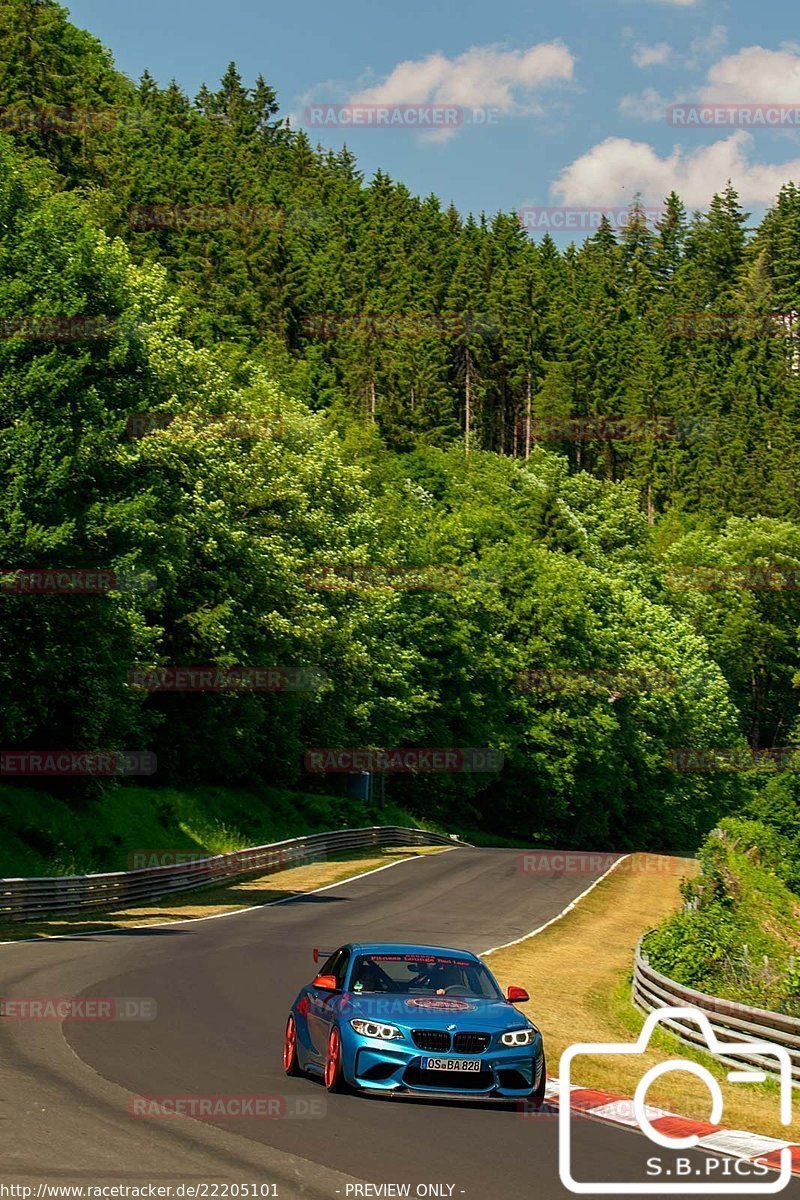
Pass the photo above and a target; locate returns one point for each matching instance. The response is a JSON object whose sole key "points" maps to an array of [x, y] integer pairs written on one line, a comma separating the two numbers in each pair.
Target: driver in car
{"points": [[440, 977]]}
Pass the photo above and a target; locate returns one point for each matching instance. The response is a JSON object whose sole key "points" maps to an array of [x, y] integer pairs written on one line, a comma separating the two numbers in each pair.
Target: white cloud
{"points": [[615, 169], [651, 56], [490, 79], [648, 105], [433, 137], [482, 77], [755, 76], [701, 49]]}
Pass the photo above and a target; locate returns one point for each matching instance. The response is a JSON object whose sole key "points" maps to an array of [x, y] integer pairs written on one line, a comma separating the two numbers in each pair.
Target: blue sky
{"points": [[571, 95]]}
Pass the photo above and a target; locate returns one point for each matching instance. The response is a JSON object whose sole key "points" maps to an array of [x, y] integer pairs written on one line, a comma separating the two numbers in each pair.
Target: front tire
{"points": [[334, 1064], [291, 1063]]}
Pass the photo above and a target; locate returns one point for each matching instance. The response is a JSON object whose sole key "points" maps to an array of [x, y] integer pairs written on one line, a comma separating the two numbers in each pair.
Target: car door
{"points": [[323, 1006]]}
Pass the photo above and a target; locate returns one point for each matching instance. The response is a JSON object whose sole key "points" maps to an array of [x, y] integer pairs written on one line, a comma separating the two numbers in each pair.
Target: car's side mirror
{"points": [[326, 983], [517, 995]]}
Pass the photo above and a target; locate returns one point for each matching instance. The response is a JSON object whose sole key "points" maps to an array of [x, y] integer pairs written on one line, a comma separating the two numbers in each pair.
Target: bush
{"points": [[740, 918], [692, 947]]}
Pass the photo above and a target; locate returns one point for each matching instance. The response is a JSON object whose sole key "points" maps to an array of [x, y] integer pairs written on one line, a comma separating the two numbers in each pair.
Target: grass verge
{"points": [[578, 972], [44, 834], [215, 900]]}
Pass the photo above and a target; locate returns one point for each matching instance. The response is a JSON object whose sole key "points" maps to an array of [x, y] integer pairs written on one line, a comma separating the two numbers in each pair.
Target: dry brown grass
{"points": [[227, 898], [578, 974]]}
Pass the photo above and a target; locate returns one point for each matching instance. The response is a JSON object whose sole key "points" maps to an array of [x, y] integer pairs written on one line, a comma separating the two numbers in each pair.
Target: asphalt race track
{"points": [[222, 989]]}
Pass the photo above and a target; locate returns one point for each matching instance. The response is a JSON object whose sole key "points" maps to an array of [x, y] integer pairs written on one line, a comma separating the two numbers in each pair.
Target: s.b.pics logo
{"points": [[672, 1172]]}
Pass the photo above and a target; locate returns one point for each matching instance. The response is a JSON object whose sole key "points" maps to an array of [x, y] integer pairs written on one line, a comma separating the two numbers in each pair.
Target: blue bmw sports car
{"points": [[414, 1019]]}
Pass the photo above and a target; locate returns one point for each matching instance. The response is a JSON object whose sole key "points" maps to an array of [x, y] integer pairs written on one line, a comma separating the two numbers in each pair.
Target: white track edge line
{"points": [[236, 912], [563, 912]]}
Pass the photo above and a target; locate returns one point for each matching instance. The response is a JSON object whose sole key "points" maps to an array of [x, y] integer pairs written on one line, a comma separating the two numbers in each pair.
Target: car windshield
{"points": [[422, 975]]}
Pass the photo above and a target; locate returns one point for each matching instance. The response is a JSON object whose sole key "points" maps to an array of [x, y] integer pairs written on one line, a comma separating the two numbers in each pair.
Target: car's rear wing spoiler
{"points": [[318, 954]]}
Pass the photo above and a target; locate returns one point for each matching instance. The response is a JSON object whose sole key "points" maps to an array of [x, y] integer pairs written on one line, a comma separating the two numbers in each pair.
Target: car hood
{"points": [[435, 1012]]}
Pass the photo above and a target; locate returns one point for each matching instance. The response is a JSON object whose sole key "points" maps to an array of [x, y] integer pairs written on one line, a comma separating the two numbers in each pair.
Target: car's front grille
{"points": [[431, 1039], [471, 1043]]}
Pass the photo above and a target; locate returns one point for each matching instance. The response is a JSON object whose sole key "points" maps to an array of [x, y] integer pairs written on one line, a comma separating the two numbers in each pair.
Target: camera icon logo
{"points": [[730, 1051]]}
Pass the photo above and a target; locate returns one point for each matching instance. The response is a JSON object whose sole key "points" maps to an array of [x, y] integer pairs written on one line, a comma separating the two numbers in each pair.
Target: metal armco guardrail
{"points": [[29, 899], [733, 1021]]}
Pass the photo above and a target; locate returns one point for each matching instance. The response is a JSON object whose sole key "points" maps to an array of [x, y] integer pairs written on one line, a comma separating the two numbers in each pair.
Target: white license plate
{"points": [[451, 1064]]}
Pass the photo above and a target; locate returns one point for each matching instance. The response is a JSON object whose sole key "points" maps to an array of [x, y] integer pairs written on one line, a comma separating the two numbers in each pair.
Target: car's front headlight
{"points": [[374, 1029], [519, 1037]]}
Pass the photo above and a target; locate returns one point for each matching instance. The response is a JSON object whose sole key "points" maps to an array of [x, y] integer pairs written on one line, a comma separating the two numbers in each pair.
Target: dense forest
{"points": [[280, 380]]}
